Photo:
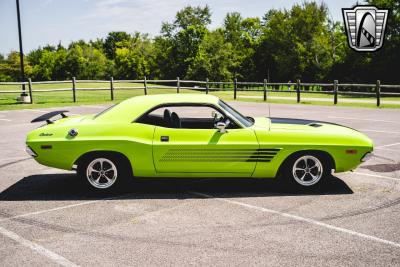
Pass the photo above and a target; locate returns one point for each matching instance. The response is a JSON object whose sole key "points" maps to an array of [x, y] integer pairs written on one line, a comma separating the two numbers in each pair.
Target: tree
{"points": [[213, 60], [136, 60], [113, 41], [181, 40], [10, 67], [295, 44]]}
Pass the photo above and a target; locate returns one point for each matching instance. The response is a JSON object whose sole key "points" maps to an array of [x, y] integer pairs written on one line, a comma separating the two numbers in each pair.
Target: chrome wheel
{"points": [[101, 173], [307, 170]]}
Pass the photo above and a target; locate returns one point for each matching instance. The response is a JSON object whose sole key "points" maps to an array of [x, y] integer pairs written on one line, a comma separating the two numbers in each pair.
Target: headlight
{"points": [[30, 151], [367, 156]]}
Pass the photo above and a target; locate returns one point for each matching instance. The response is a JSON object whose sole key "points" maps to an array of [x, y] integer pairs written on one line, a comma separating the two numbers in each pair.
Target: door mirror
{"points": [[221, 127], [215, 115]]}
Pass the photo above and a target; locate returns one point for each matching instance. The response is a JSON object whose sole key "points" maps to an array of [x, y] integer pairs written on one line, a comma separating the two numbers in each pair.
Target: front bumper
{"points": [[30, 151], [367, 156]]}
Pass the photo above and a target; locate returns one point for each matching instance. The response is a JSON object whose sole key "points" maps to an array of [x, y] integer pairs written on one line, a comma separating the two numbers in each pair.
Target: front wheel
{"points": [[103, 172], [306, 170]]}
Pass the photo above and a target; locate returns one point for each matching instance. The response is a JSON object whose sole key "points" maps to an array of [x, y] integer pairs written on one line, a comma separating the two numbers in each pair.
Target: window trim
{"points": [[189, 104]]}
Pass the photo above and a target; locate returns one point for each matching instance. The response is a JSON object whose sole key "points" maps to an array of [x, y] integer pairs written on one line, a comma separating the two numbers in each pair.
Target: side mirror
{"points": [[221, 127]]}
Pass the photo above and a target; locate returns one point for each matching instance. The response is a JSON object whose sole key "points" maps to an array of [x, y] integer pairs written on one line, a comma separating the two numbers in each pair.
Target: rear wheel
{"points": [[306, 170], [103, 172]]}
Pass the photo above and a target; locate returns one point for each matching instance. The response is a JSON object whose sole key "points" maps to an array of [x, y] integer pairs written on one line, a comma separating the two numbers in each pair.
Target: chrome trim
{"points": [[307, 170], [367, 156], [101, 173], [30, 151]]}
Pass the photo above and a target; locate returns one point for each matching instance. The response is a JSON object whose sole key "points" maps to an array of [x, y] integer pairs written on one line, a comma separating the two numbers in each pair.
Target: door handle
{"points": [[164, 138]]}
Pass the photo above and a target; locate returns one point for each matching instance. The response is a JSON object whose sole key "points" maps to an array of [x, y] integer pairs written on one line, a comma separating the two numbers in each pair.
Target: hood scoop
{"points": [[315, 125]]}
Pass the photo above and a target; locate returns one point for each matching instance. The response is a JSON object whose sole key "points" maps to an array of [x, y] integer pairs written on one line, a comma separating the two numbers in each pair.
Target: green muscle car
{"points": [[193, 135]]}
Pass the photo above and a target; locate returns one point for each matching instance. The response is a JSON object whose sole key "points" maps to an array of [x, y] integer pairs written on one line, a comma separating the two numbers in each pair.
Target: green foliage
{"points": [[297, 43], [10, 68], [135, 60], [113, 41]]}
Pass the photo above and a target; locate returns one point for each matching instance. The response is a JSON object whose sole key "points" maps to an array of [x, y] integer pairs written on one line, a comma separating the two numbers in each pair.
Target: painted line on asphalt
{"points": [[61, 208], [50, 210], [361, 119], [92, 106], [37, 248], [377, 176], [394, 144], [378, 131], [302, 219], [5, 120], [34, 110], [386, 149]]}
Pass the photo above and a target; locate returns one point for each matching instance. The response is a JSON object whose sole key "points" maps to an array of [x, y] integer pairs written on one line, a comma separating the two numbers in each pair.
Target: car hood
{"points": [[288, 123], [299, 126]]}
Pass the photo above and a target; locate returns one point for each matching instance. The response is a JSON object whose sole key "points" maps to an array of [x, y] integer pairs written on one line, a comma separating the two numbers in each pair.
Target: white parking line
{"points": [[61, 208], [53, 209], [92, 106], [37, 248], [394, 144], [303, 219], [34, 110], [386, 149], [378, 131], [378, 176], [361, 119], [5, 120]]}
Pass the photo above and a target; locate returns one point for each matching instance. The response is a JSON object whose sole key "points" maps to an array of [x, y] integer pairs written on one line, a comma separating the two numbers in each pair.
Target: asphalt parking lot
{"points": [[46, 218]]}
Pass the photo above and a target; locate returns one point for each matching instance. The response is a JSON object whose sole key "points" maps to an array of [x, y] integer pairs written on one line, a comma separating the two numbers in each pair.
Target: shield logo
{"points": [[365, 27]]}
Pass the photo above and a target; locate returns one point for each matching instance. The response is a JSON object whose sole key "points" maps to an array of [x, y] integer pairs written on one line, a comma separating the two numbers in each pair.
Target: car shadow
{"points": [[50, 187]]}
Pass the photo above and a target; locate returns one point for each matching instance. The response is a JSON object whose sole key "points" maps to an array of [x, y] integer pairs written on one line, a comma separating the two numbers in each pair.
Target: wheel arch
{"points": [[325, 155], [104, 153]]}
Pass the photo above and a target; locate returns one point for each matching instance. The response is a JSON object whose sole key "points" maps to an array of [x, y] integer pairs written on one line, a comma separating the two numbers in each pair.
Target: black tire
{"points": [[305, 171], [104, 172]]}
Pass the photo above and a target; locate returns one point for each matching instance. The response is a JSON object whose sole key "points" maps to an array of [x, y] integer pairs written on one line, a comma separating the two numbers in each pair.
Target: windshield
{"points": [[242, 119]]}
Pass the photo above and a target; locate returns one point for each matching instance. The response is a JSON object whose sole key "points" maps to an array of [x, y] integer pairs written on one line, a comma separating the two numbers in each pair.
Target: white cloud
{"points": [[131, 15]]}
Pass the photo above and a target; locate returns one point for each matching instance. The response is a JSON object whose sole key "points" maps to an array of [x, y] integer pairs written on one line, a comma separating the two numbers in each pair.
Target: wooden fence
{"points": [[334, 89]]}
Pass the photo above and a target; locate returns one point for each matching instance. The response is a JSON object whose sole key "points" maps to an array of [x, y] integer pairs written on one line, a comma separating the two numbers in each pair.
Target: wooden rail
{"points": [[236, 86]]}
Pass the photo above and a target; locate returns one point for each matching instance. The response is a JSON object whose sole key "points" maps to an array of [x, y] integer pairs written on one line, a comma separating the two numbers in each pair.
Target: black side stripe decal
{"points": [[219, 155]]}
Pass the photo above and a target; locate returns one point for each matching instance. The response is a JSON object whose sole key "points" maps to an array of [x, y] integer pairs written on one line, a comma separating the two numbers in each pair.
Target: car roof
{"points": [[132, 108]]}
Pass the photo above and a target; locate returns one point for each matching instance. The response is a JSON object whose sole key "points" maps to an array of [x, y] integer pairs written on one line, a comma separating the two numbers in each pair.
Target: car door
{"points": [[182, 150]]}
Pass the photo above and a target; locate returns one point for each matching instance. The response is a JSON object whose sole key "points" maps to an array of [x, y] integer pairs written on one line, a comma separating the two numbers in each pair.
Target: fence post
{"points": [[234, 88], [207, 86], [74, 89], [145, 85], [112, 88], [335, 89], [298, 90], [378, 93], [30, 90], [178, 85], [265, 89]]}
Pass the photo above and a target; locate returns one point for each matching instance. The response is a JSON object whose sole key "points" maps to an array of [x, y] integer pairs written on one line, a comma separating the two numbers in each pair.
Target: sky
{"points": [[53, 21]]}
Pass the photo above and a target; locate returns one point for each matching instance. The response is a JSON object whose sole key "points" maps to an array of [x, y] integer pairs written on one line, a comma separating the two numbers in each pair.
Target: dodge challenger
{"points": [[193, 135]]}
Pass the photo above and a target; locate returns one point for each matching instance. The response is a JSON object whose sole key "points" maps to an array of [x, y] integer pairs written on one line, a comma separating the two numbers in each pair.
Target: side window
{"points": [[187, 117]]}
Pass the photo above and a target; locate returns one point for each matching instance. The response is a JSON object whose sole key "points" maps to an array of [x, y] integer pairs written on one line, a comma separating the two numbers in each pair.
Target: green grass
{"points": [[54, 99], [229, 97]]}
